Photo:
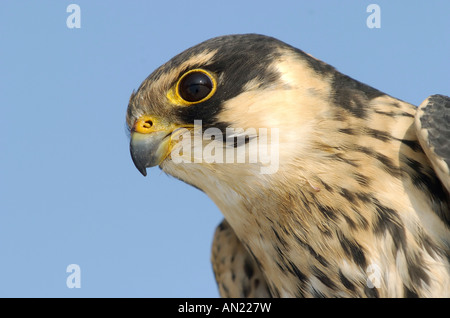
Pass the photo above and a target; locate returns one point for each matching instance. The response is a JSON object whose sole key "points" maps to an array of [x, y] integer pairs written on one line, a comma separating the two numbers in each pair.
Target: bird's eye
{"points": [[196, 86]]}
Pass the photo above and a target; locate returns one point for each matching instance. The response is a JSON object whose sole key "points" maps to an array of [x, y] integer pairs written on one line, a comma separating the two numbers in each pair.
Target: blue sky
{"points": [[69, 193]]}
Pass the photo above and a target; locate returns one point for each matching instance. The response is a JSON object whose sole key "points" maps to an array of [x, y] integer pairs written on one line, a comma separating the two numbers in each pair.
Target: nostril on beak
{"points": [[145, 125], [148, 124]]}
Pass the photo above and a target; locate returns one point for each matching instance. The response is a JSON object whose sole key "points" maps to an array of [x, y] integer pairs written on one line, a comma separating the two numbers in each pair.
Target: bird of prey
{"points": [[358, 202]]}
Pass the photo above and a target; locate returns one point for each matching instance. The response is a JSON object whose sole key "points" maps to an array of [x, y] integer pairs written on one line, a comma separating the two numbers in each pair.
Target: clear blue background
{"points": [[69, 192]]}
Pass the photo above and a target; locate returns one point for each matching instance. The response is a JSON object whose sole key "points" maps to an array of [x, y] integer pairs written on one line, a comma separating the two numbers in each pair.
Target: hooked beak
{"points": [[150, 142]]}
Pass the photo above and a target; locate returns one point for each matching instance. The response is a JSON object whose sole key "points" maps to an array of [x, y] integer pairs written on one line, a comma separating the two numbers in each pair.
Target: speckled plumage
{"points": [[356, 208]]}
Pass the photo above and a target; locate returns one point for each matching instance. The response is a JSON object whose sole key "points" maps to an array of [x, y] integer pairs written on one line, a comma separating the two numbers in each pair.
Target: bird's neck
{"points": [[339, 205]]}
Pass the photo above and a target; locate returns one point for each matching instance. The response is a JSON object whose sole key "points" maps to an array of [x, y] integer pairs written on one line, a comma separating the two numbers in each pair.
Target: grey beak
{"points": [[149, 150]]}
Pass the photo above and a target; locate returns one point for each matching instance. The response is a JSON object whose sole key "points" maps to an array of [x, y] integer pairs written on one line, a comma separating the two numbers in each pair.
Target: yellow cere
{"points": [[145, 125]]}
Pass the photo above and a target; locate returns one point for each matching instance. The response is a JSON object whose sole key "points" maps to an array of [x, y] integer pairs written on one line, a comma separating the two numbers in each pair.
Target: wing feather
{"points": [[433, 129], [237, 273]]}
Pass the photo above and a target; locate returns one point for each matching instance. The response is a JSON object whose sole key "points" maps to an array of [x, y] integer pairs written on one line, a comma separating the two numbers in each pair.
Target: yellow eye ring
{"points": [[193, 87]]}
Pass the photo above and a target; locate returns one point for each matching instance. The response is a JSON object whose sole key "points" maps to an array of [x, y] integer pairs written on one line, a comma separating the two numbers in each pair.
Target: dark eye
{"points": [[195, 86]]}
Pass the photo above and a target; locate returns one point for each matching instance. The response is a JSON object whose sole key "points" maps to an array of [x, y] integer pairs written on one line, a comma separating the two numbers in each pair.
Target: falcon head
{"points": [[245, 91]]}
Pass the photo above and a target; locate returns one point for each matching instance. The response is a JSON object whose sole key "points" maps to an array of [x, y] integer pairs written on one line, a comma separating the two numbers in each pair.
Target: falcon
{"points": [[354, 198]]}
